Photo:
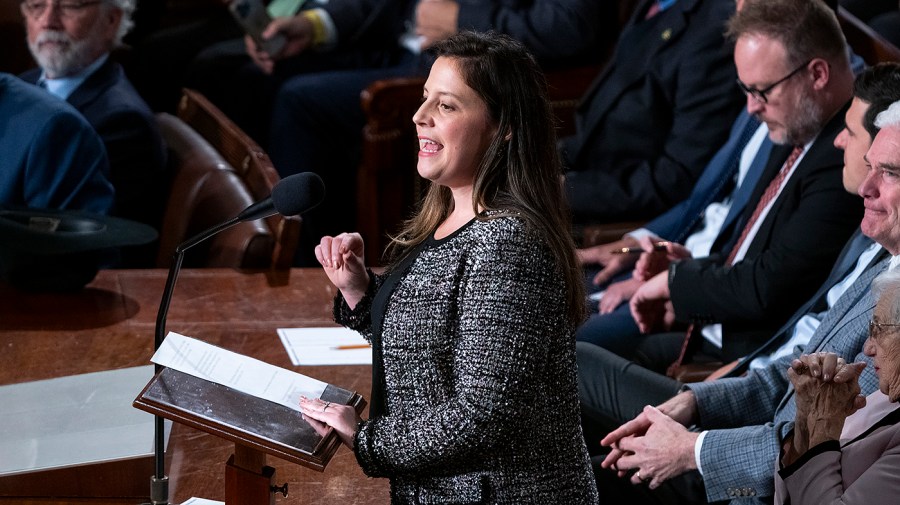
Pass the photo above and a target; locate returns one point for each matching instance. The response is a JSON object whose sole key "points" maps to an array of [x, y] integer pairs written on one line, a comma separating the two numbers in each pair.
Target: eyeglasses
{"points": [[66, 9], [877, 329], [760, 94]]}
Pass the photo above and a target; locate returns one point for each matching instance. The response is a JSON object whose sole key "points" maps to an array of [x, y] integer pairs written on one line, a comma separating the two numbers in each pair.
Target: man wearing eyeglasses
{"points": [[71, 41], [764, 262], [744, 420]]}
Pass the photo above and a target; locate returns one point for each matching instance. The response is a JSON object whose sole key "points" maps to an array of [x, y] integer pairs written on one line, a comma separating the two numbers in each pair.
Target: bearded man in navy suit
{"points": [[71, 40]]}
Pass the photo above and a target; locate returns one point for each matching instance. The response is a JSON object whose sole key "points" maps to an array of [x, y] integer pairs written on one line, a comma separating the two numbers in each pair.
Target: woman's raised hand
{"points": [[342, 258]]}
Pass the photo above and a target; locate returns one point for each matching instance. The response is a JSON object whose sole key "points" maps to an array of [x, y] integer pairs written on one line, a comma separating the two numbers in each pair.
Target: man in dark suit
{"points": [[779, 251], [71, 41], [651, 121], [746, 418], [718, 199]]}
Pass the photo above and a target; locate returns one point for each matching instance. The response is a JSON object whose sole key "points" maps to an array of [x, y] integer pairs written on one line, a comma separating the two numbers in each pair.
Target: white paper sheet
{"points": [[236, 371], [325, 346], [201, 501]]}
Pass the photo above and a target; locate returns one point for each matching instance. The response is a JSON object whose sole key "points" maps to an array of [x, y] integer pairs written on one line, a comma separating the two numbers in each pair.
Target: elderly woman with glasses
{"points": [[845, 447]]}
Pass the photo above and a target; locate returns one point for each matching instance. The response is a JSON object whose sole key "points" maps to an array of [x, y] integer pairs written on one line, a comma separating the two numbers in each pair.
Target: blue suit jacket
{"points": [[680, 221], [50, 157], [136, 152], [653, 119]]}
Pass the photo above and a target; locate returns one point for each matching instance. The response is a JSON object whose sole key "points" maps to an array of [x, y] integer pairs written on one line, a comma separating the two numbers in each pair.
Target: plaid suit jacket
{"points": [[747, 417]]}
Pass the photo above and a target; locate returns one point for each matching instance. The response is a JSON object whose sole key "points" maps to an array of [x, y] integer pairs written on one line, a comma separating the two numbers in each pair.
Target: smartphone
{"points": [[253, 18]]}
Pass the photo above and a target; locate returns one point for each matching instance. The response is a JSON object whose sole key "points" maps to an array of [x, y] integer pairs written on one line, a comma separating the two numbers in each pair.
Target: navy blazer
{"points": [[137, 156], [654, 118], [789, 257], [50, 157]]}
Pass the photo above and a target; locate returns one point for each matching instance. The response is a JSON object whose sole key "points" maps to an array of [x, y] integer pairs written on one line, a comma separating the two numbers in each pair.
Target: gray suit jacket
{"points": [[743, 437], [863, 471]]}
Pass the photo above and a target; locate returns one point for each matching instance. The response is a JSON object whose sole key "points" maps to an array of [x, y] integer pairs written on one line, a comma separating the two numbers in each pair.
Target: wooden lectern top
{"points": [[243, 418]]}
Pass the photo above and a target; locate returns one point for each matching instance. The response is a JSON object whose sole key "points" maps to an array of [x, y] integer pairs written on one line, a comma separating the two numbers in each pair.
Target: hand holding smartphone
{"points": [[253, 18]]}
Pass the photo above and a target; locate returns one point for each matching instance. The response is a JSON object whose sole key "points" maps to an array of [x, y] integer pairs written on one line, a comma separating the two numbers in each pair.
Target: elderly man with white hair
{"points": [[844, 448], [718, 440], [71, 41]]}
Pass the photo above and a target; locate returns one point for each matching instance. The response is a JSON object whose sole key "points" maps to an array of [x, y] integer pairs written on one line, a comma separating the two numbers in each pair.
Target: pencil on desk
{"points": [[352, 346]]}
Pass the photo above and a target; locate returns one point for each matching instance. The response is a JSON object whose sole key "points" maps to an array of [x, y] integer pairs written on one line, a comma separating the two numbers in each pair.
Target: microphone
{"points": [[295, 194], [292, 195]]}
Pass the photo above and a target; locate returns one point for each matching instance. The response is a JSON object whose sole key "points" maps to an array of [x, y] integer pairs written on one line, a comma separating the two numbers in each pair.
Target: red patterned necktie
{"points": [[769, 195]]}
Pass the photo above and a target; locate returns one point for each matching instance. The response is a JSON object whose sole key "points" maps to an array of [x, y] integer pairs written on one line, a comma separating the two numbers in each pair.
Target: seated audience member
{"points": [[384, 37], [743, 420], [51, 157], [766, 262], [718, 197], [473, 392], [317, 119], [52, 177], [162, 59], [648, 125], [844, 446], [71, 41]]}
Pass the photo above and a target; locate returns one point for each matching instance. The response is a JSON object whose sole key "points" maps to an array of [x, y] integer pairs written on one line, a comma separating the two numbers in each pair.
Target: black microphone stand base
{"points": [[159, 490]]}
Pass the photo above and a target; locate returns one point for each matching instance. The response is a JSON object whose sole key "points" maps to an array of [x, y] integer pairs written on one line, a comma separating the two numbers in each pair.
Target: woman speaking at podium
{"points": [[474, 396]]}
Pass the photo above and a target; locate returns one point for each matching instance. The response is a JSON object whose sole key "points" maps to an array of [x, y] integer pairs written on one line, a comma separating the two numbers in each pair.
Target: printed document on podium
{"points": [[236, 371]]}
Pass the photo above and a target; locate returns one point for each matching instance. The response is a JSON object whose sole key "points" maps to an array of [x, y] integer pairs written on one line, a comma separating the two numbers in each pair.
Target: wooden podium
{"points": [[255, 425]]}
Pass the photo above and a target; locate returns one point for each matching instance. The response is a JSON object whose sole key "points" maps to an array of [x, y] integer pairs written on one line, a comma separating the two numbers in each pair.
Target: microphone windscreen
{"points": [[298, 193]]}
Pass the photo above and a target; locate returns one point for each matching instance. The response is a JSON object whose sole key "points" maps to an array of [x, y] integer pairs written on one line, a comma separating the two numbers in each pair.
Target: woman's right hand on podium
{"points": [[321, 414], [342, 258]]}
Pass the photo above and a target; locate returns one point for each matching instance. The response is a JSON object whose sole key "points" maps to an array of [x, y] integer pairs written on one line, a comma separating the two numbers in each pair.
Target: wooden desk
{"points": [[110, 325]]}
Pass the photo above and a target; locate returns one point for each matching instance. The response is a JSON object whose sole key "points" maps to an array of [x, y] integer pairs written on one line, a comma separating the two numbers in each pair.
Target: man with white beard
{"points": [[71, 41]]}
